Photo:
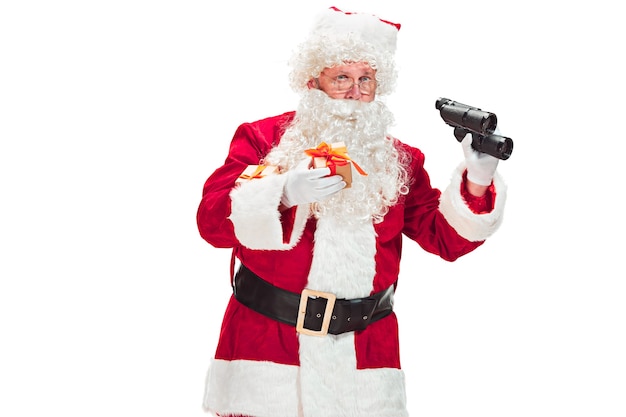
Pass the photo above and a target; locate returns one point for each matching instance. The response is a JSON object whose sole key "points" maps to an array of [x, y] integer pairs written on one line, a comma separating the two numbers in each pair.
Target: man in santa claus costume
{"points": [[310, 329]]}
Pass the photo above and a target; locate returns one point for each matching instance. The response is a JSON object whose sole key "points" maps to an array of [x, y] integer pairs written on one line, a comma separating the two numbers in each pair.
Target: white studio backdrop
{"points": [[113, 114]]}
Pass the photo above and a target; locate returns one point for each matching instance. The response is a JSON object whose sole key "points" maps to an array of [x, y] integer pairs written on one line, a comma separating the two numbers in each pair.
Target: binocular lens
{"points": [[500, 147], [489, 123]]}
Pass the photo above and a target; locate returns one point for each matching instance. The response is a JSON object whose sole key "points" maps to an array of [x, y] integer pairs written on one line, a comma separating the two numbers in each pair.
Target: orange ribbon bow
{"points": [[255, 174], [334, 156]]}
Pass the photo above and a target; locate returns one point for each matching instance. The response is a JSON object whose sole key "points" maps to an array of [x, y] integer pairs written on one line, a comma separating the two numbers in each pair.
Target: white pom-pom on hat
{"points": [[380, 33]]}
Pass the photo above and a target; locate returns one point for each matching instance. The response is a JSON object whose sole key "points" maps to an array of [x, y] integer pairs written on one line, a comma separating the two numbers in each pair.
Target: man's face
{"points": [[353, 81]]}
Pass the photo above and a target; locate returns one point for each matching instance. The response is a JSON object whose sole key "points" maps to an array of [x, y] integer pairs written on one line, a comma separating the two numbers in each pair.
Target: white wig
{"points": [[338, 38]]}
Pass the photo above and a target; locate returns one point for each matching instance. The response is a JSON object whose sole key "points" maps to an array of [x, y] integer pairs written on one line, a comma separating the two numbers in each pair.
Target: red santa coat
{"points": [[263, 367]]}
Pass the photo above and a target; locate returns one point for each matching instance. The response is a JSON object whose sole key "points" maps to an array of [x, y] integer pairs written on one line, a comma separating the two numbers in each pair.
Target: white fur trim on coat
{"points": [[344, 264], [267, 389], [473, 227], [252, 388], [255, 215], [328, 371]]}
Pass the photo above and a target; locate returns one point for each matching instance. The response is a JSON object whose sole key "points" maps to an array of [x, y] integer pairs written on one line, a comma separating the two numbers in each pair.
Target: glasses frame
{"points": [[359, 84]]}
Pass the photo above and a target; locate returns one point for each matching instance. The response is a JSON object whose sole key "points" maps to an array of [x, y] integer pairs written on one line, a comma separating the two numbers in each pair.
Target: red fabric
{"points": [[478, 205], [287, 219], [378, 346], [246, 334]]}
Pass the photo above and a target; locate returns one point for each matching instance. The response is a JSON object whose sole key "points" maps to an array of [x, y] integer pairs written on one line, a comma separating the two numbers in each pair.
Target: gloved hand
{"points": [[304, 185], [481, 167]]}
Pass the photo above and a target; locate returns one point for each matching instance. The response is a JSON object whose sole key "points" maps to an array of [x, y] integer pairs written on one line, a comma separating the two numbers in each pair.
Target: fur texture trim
{"points": [[253, 388], [267, 389], [344, 264], [473, 227], [257, 220]]}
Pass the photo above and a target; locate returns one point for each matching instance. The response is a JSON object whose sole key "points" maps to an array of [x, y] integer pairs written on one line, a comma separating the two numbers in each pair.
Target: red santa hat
{"points": [[338, 37]]}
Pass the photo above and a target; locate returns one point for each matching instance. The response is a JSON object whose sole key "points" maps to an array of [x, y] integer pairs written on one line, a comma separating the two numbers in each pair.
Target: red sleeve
{"points": [[424, 223], [251, 143], [479, 205]]}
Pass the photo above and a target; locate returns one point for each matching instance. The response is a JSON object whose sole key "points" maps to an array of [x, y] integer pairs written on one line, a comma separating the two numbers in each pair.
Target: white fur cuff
{"points": [[255, 215], [473, 227]]}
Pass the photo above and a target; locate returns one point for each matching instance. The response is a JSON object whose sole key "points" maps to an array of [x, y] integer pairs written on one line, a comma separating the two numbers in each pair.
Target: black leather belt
{"points": [[312, 312]]}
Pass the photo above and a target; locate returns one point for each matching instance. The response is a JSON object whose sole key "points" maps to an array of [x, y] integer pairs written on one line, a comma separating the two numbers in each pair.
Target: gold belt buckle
{"points": [[304, 299]]}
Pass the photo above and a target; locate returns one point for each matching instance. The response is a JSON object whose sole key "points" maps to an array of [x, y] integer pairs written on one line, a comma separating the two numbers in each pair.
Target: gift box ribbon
{"points": [[334, 156], [255, 174]]}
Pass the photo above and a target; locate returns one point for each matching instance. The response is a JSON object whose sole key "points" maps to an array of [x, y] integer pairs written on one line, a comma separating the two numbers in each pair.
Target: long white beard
{"points": [[363, 127]]}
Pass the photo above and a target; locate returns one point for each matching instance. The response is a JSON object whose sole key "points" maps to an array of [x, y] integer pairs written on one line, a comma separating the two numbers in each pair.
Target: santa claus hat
{"points": [[338, 37]]}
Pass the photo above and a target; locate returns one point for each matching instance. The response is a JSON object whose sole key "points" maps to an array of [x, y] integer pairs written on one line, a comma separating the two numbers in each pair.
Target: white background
{"points": [[112, 115]]}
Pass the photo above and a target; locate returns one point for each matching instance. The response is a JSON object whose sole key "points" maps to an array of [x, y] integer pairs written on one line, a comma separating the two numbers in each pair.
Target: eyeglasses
{"points": [[342, 84]]}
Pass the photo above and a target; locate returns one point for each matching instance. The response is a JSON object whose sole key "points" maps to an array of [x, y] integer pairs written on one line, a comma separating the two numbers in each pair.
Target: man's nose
{"points": [[354, 93]]}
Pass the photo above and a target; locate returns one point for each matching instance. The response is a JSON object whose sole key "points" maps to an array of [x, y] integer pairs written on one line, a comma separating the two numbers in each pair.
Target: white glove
{"points": [[481, 167], [304, 185]]}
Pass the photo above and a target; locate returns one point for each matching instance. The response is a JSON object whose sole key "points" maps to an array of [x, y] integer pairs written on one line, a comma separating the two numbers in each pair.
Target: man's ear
{"points": [[313, 84]]}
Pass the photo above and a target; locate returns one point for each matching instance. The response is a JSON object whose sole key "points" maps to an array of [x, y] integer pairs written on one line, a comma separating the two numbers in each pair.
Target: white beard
{"points": [[363, 128]]}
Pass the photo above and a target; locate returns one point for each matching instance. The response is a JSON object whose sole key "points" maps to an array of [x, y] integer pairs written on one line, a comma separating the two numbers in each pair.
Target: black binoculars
{"points": [[481, 124]]}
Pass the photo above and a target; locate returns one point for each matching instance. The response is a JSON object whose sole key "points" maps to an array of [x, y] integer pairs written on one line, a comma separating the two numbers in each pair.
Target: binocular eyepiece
{"points": [[481, 124]]}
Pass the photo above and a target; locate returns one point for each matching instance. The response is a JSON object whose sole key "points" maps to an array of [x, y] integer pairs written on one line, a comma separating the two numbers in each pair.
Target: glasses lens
{"points": [[345, 85], [366, 86]]}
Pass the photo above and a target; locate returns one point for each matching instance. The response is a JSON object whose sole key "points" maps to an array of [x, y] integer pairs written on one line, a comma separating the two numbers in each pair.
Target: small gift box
{"points": [[334, 156], [256, 171], [340, 167]]}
